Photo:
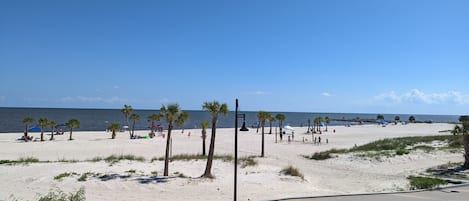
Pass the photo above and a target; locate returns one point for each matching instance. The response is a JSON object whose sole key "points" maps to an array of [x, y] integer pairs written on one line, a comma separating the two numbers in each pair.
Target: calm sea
{"points": [[98, 119]]}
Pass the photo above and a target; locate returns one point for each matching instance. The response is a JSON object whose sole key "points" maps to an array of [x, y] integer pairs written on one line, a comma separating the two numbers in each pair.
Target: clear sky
{"points": [[376, 56]]}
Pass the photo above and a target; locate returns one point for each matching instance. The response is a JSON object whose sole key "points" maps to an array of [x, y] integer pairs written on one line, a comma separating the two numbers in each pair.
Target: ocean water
{"points": [[98, 119]]}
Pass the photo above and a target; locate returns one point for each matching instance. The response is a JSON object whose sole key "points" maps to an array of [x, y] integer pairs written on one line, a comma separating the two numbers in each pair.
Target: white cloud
{"points": [[84, 99], [116, 87], [417, 96], [327, 94], [259, 93]]}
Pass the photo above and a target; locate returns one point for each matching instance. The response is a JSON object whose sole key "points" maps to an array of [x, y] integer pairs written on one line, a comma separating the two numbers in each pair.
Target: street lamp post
{"points": [[236, 153], [243, 128]]}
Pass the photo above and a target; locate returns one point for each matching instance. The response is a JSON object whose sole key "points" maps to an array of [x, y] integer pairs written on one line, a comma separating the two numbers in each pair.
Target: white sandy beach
{"points": [[344, 174]]}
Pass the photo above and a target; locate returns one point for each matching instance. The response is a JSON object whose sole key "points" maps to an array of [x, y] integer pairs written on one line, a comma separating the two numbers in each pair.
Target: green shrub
{"points": [[292, 171], [63, 175], [402, 152], [424, 148], [84, 176], [28, 160], [424, 182], [247, 161], [61, 196]]}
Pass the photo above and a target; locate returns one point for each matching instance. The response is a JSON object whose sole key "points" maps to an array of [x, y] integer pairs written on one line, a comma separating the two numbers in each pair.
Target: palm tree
{"points": [[380, 117], [42, 122], [328, 121], [114, 127], [172, 114], [134, 118], [280, 118], [319, 122], [52, 125], [271, 120], [412, 119], [27, 121], [204, 126], [309, 125], [263, 116], [72, 123], [127, 110], [214, 108], [464, 130], [152, 118]]}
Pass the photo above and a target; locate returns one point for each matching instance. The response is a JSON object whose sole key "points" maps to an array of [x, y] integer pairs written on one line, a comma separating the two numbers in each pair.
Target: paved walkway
{"points": [[460, 193]]}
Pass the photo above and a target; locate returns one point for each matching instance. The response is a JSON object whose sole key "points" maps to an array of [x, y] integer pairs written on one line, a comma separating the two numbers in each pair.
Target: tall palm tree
{"points": [[328, 121], [134, 117], [263, 116], [204, 126], [309, 125], [271, 120], [464, 130], [42, 122], [114, 127], [172, 114], [127, 110], [153, 118], [72, 123], [27, 121], [214, 108], [280, 118], [317, 123], [52, 125]]}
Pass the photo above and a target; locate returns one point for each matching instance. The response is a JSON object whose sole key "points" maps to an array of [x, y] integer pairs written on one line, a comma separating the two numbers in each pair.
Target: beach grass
{"points": [[394, 146], [116, 158], [417, 182], [247, 161], [292, 171], [59, 195], [22, 160], [63, 175], [188, 157]]}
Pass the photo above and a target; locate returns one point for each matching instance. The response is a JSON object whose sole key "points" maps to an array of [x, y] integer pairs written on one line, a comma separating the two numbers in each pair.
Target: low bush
{"points": [[61, 196], [292, 171], [63, 175], [417, 182]]}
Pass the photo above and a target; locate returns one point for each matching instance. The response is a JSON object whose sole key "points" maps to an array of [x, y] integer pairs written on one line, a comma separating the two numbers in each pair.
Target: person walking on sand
{"points": [[319, 139]]}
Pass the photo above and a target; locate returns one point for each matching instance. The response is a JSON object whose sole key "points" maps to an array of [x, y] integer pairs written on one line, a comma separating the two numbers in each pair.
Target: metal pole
{"points": [[236, 153]]}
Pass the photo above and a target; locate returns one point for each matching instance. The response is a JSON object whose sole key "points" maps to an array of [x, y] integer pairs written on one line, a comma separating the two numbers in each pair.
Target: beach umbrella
{"points": [[289, 128]]}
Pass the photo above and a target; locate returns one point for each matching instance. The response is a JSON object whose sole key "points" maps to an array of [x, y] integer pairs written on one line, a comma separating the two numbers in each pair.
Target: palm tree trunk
{"points": [[70, 138], [26, 132], [128, 124], [270, 132], [276, 134], [211, 151], [466, 151], [52, 134], [204, 136], [113, 134], [133, 130], [166, 156], [281, 131], [262, 145], [42, 134]]}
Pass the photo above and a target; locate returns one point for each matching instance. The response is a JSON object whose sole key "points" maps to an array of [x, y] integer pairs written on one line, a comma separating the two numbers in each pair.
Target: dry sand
{"points": [[344, 174]]}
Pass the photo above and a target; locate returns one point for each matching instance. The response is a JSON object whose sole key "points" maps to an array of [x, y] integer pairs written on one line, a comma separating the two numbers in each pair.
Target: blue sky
{"points": [[308, 56]]}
